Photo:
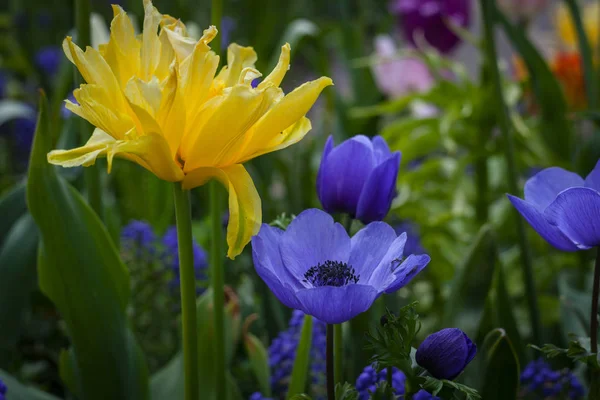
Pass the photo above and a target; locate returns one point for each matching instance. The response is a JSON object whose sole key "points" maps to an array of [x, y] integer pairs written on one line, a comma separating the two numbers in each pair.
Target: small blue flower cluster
{"points": [[282, 354], [3, 390], [139, 240], [539, 379], [367, 382]]}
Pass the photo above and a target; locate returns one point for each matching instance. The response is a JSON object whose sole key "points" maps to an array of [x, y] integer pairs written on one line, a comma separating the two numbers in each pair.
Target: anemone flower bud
{"points": [[522, 9], [358, 177], [446, 353], [431, 18]]}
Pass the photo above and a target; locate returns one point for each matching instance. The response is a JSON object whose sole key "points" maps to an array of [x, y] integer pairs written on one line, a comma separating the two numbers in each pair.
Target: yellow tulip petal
{"points": [[171, 113], [150, 54], [167, 56], [151, 151], [123, 49], [232, 118], [266, 132], [283, 65], [245, 213], [566, 28], [144, 94], [238, 58]]}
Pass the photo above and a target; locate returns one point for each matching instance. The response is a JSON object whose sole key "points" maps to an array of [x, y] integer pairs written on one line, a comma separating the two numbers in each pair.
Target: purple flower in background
{"points": [[23, 131], [358, 177], [413, 242], [65, 113], [3, 83], [48, 60], [430, 19], [139, 237], [314, 266], [3, 390], [446, 353], [367, 381], [228, 25], [424, 395], [538, 378], [171, 254], [563, 207]]}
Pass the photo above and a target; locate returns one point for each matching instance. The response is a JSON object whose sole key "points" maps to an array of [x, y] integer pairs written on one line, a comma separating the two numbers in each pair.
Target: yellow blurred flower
{"points": [[156, 99], [566, 28]]}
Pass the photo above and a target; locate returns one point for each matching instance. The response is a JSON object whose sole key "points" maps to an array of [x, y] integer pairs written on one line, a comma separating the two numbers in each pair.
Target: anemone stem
{"points": [[330, 363], [594, 315]]}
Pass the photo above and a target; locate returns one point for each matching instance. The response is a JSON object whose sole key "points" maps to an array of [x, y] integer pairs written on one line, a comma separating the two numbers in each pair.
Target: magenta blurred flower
{"points": [[430, 18], [522, 9]]}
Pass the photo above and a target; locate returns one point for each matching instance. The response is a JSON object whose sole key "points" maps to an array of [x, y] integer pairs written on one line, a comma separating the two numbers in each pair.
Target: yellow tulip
{"points": [[156, 99], [566, 29]]}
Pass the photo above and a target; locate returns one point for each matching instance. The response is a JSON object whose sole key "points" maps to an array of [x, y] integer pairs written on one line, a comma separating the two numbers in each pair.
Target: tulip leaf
{"points": [[502, 371], [79, 269], [12, 206], [558, 130], [259, 362], [19, 391], [18, 279], [472, 284], [301, 367]]}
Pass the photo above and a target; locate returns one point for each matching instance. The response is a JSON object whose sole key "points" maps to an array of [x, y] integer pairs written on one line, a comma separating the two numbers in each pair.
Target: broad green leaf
{"points": [[557, 129], [79, 269], [302, 361], [502, 369], [472, 283], [259, 362], [18, 278], [18, 391], [12, 206]]}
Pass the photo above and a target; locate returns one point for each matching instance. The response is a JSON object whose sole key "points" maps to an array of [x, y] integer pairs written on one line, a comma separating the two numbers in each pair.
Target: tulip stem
{"points": [[91, 175], [594, 315], [338, 353], [329, 361], [488, 8], [188, 290], [218, 284]]}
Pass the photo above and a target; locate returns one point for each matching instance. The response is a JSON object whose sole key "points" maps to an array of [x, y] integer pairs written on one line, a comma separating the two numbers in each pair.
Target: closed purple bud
{"points": [[358, 177], [446, 353], [430, 19]]}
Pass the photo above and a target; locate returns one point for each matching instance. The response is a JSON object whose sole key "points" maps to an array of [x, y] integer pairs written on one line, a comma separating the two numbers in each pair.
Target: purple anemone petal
{"points": [[379, 191], [407, 271], [383, 275], [311, 239], [343, 174], [593, 178], [576, 212], [369, 246], [538, 221], [336, 304], [381, 148], [543, 187]]}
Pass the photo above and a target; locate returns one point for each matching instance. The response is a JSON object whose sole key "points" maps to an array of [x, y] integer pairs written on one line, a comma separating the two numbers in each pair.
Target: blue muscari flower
{"points": [[563, 207], [65, 113], [446, 353], [256, 396], [23, 131], [369, 378], [314, 266], [48, 60], [3, 390], [282, 354], [3, 83], [358, 177], [171, 254], [538, 378], [138, 236]]}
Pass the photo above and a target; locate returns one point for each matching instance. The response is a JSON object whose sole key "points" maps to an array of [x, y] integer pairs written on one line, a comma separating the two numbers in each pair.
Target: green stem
{"points": [[595, 373], [338, 354], [586, 55], [91, 175], [329, 361], [390, 378], [216, 15], [183, 215], [481, 183], [218, 283], [488, 8]]}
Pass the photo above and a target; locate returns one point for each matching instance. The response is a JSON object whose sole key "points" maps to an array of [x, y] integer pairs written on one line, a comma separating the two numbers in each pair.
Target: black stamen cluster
{"points": [[331, 273]]}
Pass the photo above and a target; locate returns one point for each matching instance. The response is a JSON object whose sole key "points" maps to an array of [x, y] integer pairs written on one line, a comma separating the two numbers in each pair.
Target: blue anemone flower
{"points": [[540, 379], [358, 177], [563, 207], [314, 266], [446, 353]]}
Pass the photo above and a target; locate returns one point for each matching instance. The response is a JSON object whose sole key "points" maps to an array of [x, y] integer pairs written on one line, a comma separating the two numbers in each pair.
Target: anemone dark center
{"points": [[331, 273]]}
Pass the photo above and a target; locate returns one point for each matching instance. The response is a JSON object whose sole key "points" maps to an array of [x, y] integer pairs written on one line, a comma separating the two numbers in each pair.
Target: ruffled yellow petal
{"points": [[245, 214], [150, 151], [150, 54], [238, 58], [282, 67], [171, 113], [266, 132]]}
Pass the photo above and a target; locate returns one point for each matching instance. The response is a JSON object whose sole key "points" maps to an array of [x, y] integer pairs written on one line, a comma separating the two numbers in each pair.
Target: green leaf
{"points": [[12, 206], [80, 271], [18, 278], [259, 362], [502, 371], [435, 387], [18, 391], [472, 284], [558, 130], [345, 392], [302, 361]]}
